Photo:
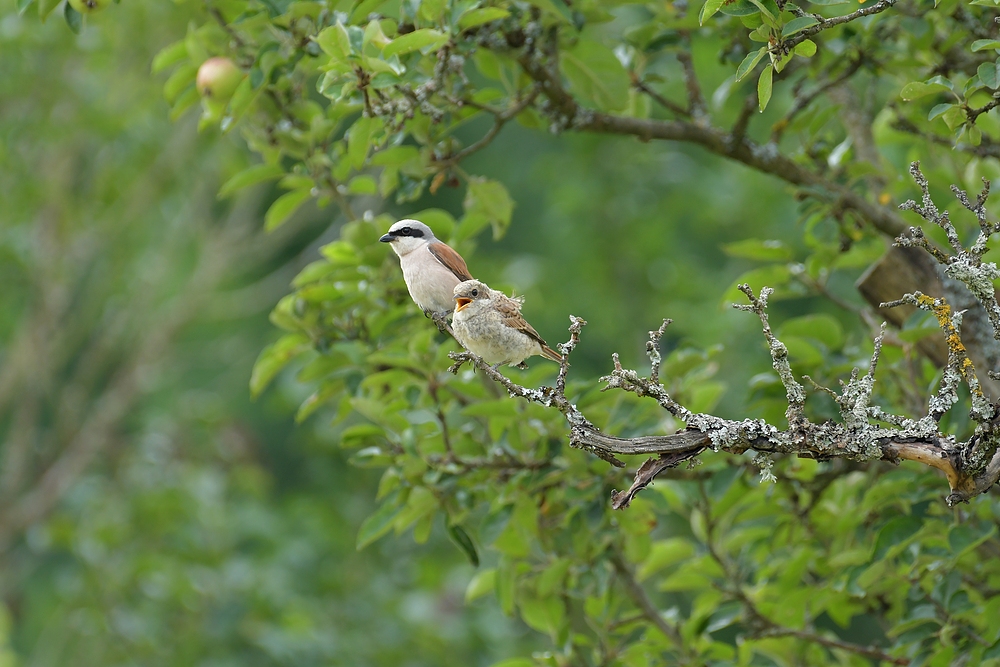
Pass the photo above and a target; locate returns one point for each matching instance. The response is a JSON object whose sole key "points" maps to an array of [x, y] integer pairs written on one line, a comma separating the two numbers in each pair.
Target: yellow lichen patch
{"points": [[942, 312]]}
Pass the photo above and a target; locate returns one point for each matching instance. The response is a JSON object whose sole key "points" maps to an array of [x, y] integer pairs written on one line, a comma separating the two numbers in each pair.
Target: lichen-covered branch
{"points": [[970, 467], [965, 265], [794, 392]]}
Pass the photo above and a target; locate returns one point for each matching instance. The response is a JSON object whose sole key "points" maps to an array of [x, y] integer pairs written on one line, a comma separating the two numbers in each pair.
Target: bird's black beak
{"points": [[387, 238]]}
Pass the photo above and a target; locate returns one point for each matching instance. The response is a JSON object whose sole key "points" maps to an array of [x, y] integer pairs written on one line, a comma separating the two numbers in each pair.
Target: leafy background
{"points": [[209, 527]]}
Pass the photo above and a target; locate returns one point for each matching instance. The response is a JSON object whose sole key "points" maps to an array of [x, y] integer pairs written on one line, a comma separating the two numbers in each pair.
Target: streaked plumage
{"points": [[489, 324]]}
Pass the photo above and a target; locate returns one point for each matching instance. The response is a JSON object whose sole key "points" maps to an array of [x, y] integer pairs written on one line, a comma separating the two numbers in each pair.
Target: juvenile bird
{"points": [[431, 268], [489, 324]]}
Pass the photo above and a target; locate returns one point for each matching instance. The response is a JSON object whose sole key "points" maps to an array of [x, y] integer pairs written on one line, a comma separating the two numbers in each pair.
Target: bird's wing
{"points": [[510, 315], [450, 259]]}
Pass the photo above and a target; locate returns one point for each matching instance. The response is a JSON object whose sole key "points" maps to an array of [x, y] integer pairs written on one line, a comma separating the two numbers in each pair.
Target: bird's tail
{"points": [[549, 353]]}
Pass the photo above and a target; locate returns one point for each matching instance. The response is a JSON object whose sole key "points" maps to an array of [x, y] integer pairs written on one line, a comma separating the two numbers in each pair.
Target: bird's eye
{"points": [[475, 292], [405, 231]]}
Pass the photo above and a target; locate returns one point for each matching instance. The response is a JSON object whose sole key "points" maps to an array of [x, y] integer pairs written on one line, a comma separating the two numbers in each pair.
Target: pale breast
{"points": [[431, 284], [486, 336]]}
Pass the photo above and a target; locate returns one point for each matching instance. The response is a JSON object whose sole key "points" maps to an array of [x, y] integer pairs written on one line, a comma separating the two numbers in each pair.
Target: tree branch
{"points": [[784, 47], [766, 159], [734, 146], [859, 437]]}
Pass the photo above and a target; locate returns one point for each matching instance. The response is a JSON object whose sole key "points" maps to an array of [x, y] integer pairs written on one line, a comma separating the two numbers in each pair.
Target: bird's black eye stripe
{"points": [[407, 231]]}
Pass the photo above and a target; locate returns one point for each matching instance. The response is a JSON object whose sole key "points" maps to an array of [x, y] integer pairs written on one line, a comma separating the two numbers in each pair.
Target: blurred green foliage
{"points": [[203, 528], [197, 528]]}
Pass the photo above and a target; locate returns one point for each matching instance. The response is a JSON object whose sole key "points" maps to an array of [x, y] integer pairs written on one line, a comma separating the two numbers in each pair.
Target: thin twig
{"points": [[658, 98], [785, 47]]}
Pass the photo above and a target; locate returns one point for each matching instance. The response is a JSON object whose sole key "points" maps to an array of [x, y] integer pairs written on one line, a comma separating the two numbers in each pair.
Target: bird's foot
{"points": [[523, 366], [440, 321]]}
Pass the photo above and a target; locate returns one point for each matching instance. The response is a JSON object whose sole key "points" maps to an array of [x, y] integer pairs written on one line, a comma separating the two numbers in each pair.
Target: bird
{"points": [[488, 323], [431, 268]]}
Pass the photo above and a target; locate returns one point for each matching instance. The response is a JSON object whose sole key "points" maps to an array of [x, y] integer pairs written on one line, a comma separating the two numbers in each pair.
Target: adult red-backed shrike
{"points": [[489, 324], [431, 268]]}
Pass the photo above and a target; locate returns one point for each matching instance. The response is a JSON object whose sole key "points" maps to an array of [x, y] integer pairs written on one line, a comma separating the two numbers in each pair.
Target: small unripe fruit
{"points": [[217, 79], [89, 6]]}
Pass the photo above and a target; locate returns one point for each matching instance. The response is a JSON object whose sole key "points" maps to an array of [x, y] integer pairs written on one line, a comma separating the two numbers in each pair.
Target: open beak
{"points": [[461, 302], [386, 238]]}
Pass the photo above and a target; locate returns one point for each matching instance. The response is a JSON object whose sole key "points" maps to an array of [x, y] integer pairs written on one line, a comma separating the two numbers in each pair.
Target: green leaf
{"points": [[241, 101], [413, 41], [486, 202], [963, 538], [420, 503], [975, 135], [550, 581], [177, 82], [896, 532], [169, 55], [938, 109], [73, 18], [359, 434], [768, 11], [371, 457], [775, 276], [829, 2], [740, 8], [362, 185], [335, 42], [358, 138], [364, 8], [474, 17], [45, 8], [798, 25], [273, 358], [769, 250], [709, 9], [283, 208], [665, 553], [917, 89], [806, 48], [395, 156], [993, 651], [764, 88], [989, 74], [22, 6], [750, 62], [184, 101], [953, 117], [376, 525], [482, 583], [983, 44], [258, 173], [596, 75], [822, 327], [543, 614], [464, 542]]}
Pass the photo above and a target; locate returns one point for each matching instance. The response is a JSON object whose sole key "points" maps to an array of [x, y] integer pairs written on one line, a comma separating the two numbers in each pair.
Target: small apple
{"points": [[217, 77], [89, 6]]}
